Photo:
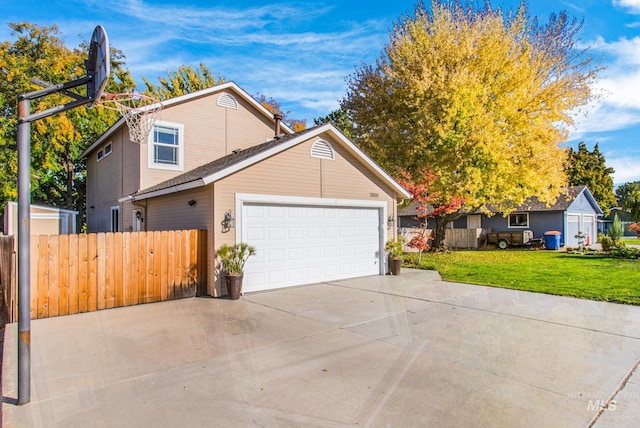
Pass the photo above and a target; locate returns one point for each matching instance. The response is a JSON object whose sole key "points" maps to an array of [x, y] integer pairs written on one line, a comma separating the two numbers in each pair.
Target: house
{"points": [[312, 203], [604, 223], [574, 213], [44, 220]]}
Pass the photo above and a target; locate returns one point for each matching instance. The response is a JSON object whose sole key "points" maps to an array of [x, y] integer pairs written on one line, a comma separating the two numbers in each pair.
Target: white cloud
{"points": [[626, 169], [632, 5], [619, 106]]}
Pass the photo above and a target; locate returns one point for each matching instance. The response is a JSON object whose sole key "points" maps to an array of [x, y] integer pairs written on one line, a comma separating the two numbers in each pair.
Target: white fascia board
{"points": [[252, 160], [228, 85], [360, 154], [169, 190], [103, 137], [304, 137], [593, 201], [46, 208]]}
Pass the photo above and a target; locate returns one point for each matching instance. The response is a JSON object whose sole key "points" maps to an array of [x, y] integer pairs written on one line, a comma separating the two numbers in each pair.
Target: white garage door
{"points": [[307, 244]]}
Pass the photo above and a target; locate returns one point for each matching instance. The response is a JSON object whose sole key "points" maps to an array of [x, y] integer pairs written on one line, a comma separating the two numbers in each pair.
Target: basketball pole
{"points": [[24, 252], [24, 219]]}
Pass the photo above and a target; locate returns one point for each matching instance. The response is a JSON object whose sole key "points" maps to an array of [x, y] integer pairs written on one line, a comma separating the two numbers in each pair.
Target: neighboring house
{"points": [[575, 212], [44, 220], [604, 223], [312, 203]]}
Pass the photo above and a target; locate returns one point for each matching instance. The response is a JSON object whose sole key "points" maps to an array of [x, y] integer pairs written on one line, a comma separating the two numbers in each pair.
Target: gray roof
{"points": [[532, 204], [563, 202], [220, 164]]}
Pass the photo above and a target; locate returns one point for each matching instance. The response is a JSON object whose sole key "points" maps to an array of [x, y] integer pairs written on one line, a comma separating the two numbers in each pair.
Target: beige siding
{"points": [[43, 220], [295, 173], [106, 178], [210, 132], [172, 212]]}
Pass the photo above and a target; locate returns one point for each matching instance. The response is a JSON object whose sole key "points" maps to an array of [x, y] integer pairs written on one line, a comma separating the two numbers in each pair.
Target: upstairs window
{"points": [[166, 146], [519, 220], [104, 152]]}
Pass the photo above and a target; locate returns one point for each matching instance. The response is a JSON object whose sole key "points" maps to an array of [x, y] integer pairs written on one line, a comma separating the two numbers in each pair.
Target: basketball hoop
{"points": [[140, 112]]}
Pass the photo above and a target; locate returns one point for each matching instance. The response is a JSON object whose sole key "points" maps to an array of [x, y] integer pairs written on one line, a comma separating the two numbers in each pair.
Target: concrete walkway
{"points": [[383, 351]]}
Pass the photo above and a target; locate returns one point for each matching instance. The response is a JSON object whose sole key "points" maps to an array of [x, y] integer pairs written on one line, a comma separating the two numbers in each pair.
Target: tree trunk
{"points": [[439, 233]]}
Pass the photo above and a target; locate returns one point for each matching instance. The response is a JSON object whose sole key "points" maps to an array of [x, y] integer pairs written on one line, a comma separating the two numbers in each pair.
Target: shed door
{"points": [[589, 227], [308, 244], [573, 227]]}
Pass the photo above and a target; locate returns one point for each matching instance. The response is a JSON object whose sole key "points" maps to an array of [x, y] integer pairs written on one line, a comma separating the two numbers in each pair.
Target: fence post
{"points": [[6, 272]]}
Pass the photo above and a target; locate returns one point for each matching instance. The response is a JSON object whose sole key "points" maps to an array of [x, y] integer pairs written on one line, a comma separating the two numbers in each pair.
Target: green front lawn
{"points": [[552, 272], [631, 241]]}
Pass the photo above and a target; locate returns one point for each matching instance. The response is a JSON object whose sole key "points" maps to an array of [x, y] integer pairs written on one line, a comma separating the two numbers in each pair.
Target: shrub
{"points": [[626, 253], [233, 257], [394, 247], [616, 231], [635, 228], [606, 242]]}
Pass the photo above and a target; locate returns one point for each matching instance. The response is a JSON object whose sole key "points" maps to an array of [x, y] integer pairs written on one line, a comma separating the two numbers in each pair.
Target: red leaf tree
{"points": [[431, 204]]}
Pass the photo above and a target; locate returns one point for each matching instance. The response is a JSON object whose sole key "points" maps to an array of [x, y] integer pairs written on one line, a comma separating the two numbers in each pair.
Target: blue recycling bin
{"points": [[552, 240]]}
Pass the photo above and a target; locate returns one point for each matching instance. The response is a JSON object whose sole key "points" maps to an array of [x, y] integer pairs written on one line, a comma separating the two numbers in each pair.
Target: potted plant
{"points": [[233, 258], [394, 254]]}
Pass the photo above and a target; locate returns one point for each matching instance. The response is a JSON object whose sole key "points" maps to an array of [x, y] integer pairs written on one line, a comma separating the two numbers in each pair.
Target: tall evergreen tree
{"points": [[629, 198], [589, 169]]}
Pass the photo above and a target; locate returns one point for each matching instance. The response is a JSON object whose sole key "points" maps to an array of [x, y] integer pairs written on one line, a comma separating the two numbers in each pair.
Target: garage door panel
{"points": [[306, 244]]}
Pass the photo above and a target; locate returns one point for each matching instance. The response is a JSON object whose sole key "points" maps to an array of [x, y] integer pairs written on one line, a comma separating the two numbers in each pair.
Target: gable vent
{"points": [[322, 150], [227, 101]]}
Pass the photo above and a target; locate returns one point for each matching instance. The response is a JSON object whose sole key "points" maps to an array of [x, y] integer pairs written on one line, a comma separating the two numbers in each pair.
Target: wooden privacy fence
{"points": [[454, 238], [71, 274]]}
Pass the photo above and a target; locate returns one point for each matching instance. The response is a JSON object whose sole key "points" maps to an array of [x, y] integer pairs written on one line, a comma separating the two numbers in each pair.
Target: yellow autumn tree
{"points": [[479, 97], [274, 107], [182, 81], [57, 172]]}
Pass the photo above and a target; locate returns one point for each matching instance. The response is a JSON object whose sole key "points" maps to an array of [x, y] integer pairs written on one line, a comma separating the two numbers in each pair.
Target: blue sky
{"points": [[299, 52]]}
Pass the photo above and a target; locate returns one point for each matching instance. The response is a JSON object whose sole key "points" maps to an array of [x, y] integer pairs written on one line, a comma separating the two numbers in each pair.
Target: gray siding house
{"points": [[574, 214]]}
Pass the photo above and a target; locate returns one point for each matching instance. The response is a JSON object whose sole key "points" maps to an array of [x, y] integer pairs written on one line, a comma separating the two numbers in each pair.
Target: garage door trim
{"points": [[243, 199]]}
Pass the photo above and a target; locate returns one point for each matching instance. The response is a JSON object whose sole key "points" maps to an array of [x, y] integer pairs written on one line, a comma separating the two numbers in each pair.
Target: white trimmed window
{"points": [[519, 220], [115, 219], [104, 152], [166, 146]]}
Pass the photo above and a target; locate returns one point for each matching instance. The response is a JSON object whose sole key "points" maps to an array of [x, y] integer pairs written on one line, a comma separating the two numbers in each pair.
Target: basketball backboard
{"points": [[98, 65]]}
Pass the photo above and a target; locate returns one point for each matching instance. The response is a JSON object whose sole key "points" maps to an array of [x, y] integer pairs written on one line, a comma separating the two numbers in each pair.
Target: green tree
{"points": [[57, 175], [339, 118], [182, 81], [589, 168], [479, 98], [629, 198]]}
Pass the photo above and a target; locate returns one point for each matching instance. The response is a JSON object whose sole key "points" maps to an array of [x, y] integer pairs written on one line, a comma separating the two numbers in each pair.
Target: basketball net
{"points": [[140, 112]]}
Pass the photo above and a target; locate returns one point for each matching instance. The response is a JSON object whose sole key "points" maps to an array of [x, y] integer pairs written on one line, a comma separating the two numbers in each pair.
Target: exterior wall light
{"points": [[390, 222], [228, 222]]}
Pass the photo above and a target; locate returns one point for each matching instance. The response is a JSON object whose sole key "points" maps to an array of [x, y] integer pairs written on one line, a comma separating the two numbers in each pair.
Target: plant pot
{"points": [[234, 286], [394, 266]]}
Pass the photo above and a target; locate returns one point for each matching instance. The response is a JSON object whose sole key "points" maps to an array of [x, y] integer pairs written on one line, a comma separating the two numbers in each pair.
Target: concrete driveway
{"points": [[382, 351]]}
